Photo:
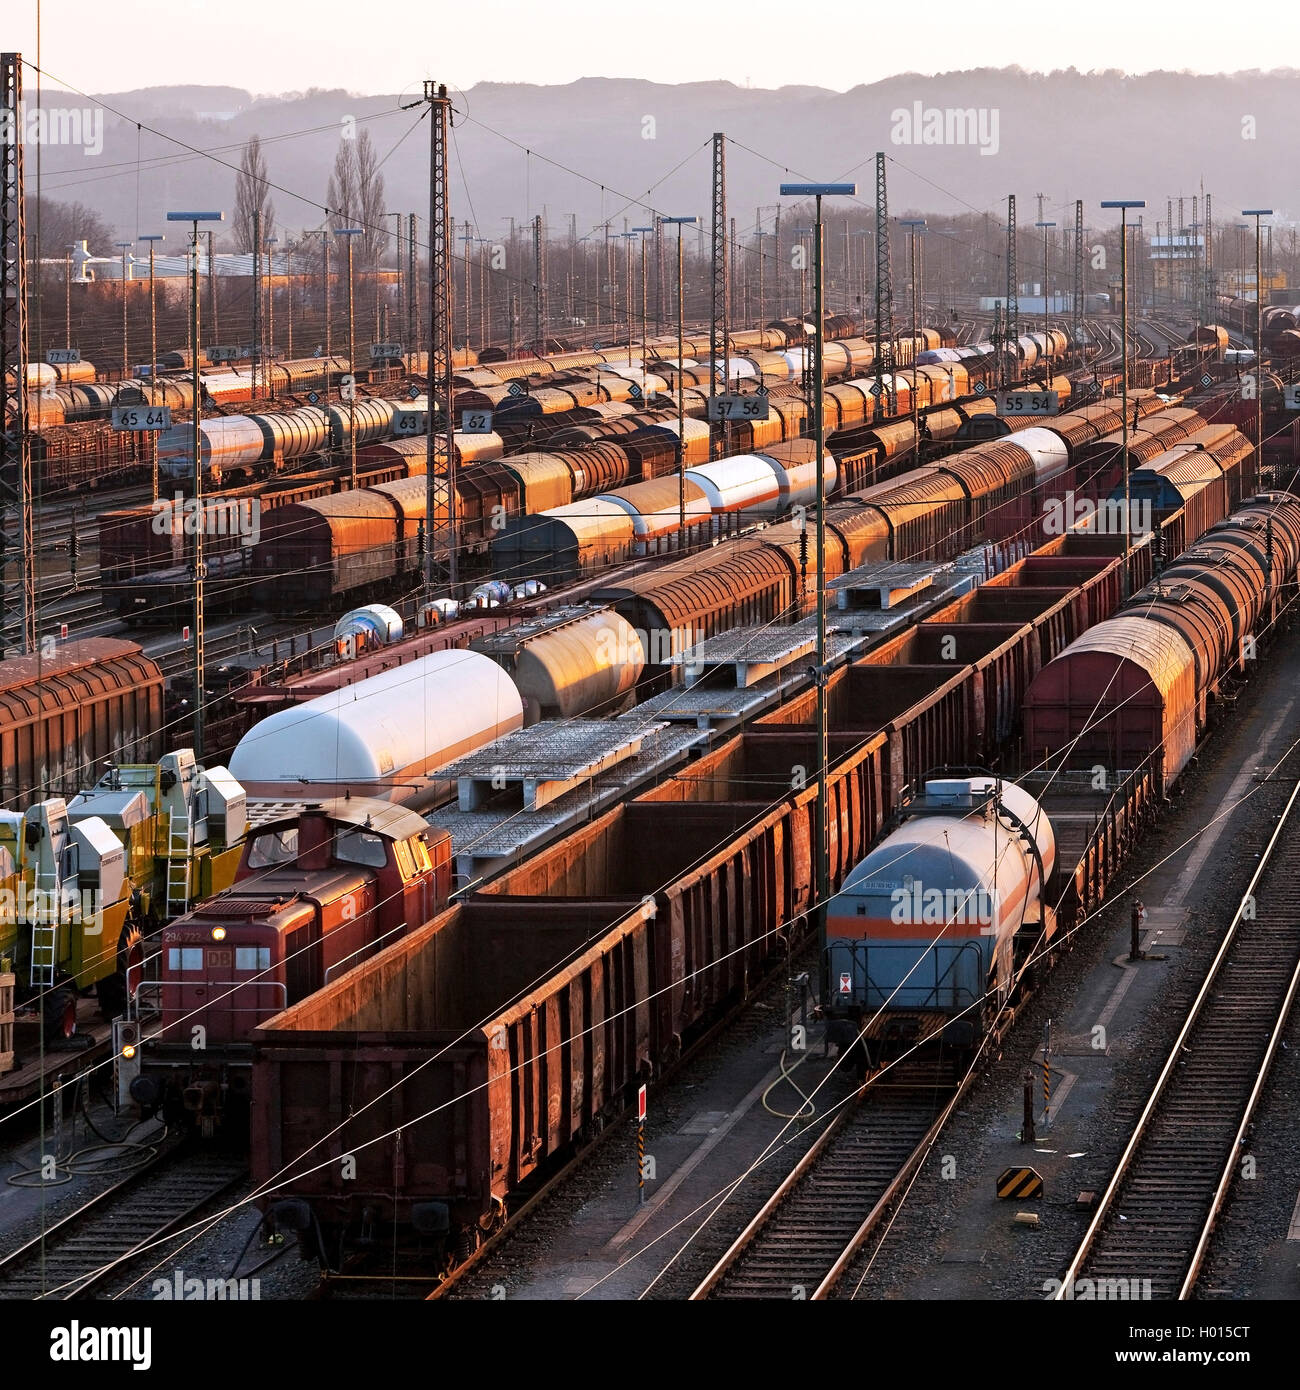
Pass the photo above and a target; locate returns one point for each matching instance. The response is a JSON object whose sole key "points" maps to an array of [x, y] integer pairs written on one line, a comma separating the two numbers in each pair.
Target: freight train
{"points": [[567, 513], [1029, 487], [380, 732], [936, 922], [73, 445], [609, 962], [1135, 691], [95, 700]]}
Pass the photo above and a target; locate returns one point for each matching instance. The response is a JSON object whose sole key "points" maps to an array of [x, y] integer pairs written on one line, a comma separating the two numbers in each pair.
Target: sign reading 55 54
{"points": [[1028, 402]]}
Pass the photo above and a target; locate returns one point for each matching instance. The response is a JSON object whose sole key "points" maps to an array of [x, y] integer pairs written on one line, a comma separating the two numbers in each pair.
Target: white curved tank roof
{"points": [[744, 482], [378, 619], [381, 737], [797, 478], [1045, 447]]}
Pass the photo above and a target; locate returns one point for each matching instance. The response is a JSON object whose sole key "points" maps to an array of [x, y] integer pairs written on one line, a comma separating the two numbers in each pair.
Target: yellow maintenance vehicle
{"points": [[84, 883]]}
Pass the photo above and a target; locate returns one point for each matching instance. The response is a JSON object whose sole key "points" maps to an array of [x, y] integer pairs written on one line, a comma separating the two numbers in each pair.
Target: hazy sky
{"points": [[272, 48]]}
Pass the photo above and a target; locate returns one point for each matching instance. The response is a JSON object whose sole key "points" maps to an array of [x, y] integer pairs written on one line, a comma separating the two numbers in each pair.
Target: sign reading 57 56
{"points": [[1028, 402], [736, 407], [142, 417]]}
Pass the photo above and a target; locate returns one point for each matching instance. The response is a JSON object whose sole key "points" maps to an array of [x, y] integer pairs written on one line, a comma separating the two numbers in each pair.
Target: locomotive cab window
{"points": [[405, 863], [360, 847], [420, 854], [274, 847], [185, 958], [252, 957]]}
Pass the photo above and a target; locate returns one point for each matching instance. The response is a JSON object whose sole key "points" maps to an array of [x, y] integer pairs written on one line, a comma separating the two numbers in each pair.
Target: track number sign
{"points": [[142, 417], [1027, 402], [735, 407]]}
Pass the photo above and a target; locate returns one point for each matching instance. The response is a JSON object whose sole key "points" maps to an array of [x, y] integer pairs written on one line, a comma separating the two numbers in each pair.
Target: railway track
{"points": [[81, 1249], [812, 1226], [1155, 1220]]}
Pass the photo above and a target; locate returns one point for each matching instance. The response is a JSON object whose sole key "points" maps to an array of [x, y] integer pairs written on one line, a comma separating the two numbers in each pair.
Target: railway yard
{"points": [[594, 769]]}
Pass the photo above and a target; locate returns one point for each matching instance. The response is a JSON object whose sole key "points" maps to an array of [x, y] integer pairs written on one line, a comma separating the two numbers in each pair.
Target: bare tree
{"points": [[341, 202], [252, 194], [62, 224], [355, 196], [370, 192]]}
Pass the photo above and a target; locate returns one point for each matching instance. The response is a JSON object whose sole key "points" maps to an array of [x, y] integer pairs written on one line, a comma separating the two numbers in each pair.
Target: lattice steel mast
{"points": [[440, 327], [719, 281], [886, 393], [16, 494]]}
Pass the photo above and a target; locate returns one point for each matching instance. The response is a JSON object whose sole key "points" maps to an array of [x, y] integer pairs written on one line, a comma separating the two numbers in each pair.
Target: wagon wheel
{"points": [[468, 1240], [495, 1220], [59, 1013]]}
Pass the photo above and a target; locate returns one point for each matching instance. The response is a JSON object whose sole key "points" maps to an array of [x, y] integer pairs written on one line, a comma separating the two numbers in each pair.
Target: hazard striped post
{"points": [[640, 1146], [1047, 1074]]}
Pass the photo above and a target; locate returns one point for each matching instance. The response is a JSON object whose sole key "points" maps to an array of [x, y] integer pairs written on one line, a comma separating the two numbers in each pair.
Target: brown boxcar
{"points": [[95, 700], [681, 603], [311, 552]]}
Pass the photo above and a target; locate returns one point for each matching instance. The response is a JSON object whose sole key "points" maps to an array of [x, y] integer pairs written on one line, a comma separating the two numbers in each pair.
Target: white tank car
{"points": [[926, 922], [384, 737]]}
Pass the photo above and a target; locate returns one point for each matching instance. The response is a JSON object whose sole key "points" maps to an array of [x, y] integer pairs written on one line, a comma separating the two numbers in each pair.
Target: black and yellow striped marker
{"points": [[1019, 1183]]}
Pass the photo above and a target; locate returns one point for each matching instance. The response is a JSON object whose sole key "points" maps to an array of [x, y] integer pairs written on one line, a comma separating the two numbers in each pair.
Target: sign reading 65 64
{"points": [[142, 417]]}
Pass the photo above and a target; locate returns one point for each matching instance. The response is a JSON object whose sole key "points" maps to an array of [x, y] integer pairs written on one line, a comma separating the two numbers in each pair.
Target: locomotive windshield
{"points": [[272, 848], [360, 847]]}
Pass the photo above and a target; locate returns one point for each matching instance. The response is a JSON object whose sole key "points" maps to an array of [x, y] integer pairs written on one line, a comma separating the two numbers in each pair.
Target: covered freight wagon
{"points": [[1122, 696], [338, 544], [96, 700], [384, 737]]}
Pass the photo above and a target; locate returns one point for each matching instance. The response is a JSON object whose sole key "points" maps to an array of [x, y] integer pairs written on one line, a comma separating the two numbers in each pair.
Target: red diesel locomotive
{"points": [[320, 888]]}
